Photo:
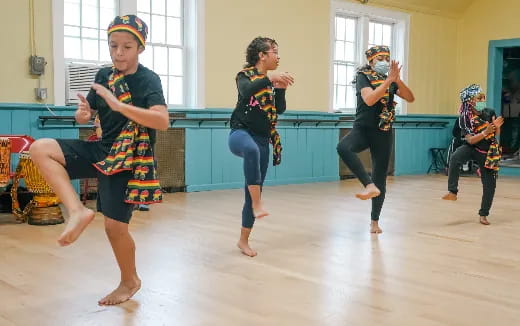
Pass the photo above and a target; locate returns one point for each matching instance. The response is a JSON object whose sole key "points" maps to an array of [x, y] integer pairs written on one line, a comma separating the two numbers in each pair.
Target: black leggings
{"points": [[380, 145], [487, 176]]}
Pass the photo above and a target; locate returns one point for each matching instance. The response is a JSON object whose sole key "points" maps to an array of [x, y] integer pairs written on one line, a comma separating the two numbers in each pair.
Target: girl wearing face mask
{"points": [[376, 85], [479, 128]]}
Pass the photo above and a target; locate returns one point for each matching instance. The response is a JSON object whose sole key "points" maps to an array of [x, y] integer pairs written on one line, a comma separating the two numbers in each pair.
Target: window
{"points": [[355, 29], [84, 29], [176, 27], [165, 52]]}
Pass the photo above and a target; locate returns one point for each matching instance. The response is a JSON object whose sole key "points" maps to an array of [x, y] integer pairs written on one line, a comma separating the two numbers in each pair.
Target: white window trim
{"points": [[194, 48], [400, 38]]}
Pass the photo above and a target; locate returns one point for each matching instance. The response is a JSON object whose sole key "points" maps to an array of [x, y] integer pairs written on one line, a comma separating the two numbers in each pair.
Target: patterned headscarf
{"points": [[377, 50], [467, 107], [131, 24]]}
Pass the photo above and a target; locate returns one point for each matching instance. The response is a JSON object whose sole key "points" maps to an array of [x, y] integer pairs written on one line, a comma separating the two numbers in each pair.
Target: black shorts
{"points": [[79, 157]]}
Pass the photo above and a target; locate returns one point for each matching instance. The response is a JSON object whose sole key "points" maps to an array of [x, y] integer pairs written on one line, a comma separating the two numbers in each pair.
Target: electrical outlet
{"points": [[41, 93]]}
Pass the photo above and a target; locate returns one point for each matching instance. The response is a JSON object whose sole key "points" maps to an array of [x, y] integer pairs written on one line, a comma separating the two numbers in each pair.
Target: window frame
{"points": [[365, 14]]}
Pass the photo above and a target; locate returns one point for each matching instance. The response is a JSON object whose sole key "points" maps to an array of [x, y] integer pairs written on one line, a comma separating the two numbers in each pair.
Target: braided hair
{"points": [[259, 44]]}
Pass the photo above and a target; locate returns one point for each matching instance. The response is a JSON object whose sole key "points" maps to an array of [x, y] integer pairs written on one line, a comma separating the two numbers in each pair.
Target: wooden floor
{"points": [[317, 263]]}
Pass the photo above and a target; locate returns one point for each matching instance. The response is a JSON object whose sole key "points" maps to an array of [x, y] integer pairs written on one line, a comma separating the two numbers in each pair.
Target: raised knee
{"points": [[39, 147]]}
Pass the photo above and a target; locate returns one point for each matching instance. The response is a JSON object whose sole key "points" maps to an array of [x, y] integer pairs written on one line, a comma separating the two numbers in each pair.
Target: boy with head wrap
{"points": [[130, 104]]}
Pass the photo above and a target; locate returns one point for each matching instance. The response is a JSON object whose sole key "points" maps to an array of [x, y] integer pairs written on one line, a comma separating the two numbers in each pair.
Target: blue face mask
{"points": [[382, 67], [479, 106]]}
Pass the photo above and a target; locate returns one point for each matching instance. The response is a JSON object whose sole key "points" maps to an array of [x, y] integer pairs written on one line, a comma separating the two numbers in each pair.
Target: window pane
{"points": [[340, 51], [158, 29], [146, 58], [351, 30], [158, 7], [72, 47], [173, 8], [160, 60], [71, 31], [174, 31], [90, 49], [106, 17], [342, 75], [351, 97], [164, 82], [335, 73], [104, 53], [378, 34], [350, 74], [340, 28], [143, 5], [89, 32], [350, 54], [175, 62], [340, 98], [175, 91], [387, 35], [71, 11], [89, 13], [103, 35]]}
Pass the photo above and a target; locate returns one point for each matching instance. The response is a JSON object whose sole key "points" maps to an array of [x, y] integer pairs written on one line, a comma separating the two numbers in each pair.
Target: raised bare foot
{"points": [[374, 227], [483, 220], [450, 196], [124, 291], [78, 221], [259, 212], [370, 191], [246, 250]]}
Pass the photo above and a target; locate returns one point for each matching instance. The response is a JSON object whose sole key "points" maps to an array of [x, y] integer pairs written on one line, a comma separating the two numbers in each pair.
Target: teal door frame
{"points": [[495, 67]]}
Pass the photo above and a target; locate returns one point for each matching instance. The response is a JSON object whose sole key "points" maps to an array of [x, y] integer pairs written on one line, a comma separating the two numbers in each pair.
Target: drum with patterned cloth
{"points": [[5, 161], [43, 208]]}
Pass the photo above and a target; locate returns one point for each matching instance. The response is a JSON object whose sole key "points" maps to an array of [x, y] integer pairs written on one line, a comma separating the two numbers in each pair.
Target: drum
{"points": [[43, 208], [5, 161]]}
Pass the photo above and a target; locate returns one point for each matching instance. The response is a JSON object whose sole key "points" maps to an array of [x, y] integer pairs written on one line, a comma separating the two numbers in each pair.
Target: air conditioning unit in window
{"points": [[79, 77]]}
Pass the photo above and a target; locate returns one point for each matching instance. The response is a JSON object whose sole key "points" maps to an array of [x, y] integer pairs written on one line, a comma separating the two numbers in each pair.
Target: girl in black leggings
{"points": [[261, 97], [376, 85], [479, 128]]}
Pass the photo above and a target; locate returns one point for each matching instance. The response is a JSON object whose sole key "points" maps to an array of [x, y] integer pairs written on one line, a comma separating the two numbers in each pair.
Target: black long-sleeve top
{"points": [[246, 116]]}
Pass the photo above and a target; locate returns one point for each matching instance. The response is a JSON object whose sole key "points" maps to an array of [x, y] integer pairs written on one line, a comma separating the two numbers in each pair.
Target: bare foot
{"points": [[124, 291], [259, 212], [450, 196], [76, 224], [246, 250], [483, 220], [370, 191], [374, 227]]}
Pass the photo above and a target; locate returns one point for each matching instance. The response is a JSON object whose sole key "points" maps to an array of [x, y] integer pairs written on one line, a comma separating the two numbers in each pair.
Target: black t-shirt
{"points": [[482, 145], [146, 90], [368, 116], [254, 118]]}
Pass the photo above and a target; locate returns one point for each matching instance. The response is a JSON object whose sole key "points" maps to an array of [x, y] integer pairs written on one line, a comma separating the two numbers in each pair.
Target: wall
{"points": [[301, 27], [482, 22], [16, 83]]}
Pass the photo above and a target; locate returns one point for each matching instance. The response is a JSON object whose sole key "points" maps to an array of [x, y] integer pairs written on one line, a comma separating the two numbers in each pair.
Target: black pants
{"points": [[380, 145], [487, 176]]}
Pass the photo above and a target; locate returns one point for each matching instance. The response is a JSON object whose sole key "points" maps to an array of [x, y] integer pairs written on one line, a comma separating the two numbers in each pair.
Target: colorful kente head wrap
{"points": [[131, 24], [377, 50]]}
